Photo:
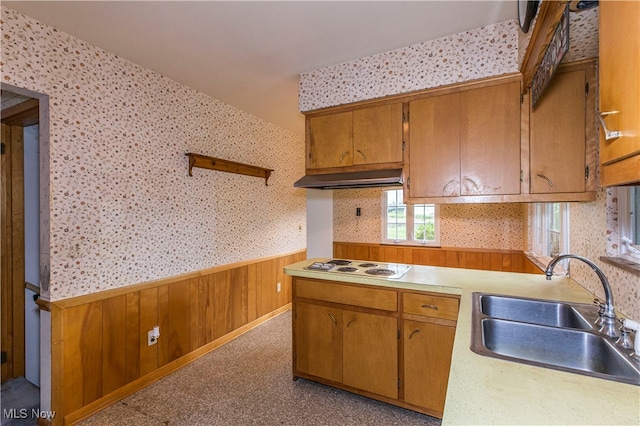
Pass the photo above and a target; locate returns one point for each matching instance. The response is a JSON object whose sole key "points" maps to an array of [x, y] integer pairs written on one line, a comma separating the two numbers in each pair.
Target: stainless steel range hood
{"points": [[346, 180]]}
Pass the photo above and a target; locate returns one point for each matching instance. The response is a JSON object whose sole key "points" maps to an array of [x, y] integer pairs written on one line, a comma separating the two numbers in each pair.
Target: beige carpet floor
{"points": [[248, 382]]}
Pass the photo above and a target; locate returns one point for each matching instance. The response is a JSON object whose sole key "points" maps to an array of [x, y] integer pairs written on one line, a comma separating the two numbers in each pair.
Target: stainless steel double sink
{"points": [[550, 334]]}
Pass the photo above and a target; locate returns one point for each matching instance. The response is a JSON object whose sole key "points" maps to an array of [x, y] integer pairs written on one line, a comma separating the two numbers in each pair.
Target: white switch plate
{"points": [[278, 287]]}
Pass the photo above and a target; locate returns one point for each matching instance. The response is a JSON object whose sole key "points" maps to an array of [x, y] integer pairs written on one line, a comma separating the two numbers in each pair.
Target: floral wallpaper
{"points": [[583, 35], [447, 60], [590, 236], [487, 226], [474, 54], [123, 209]]}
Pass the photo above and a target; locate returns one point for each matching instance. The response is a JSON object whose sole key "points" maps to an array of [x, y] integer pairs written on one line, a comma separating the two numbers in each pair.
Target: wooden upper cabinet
{"points": [[558, 133], [619, 69], [330, 140], [434, 146], [361, 137], [490, 140], [465, 143], [377, 134]]}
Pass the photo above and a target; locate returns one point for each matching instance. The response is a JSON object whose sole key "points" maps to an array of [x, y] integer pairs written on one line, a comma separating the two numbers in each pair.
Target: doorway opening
{"points": [[21, 229]]}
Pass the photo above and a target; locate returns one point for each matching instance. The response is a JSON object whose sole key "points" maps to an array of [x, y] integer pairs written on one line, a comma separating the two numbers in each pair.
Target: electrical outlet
{"points": [[278, 287], [153, 336], [151, 339]]}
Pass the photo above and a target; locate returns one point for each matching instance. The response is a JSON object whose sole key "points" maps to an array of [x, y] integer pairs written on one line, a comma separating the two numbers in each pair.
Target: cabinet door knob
{"points": [[364, 157], [608, 134], [333, 318], [350, 321], [540, 175], [434, 307], [344, 154], [417, 330]]}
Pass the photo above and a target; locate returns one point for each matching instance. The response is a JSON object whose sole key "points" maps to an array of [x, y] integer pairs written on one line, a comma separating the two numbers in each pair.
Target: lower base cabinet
{"points": [[319, 341], [370, 353], [427, 359], [390, 345]]}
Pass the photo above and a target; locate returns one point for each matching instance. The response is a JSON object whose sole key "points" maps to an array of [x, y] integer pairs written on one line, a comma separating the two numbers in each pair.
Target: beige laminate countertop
{"points": [[488, 391]]}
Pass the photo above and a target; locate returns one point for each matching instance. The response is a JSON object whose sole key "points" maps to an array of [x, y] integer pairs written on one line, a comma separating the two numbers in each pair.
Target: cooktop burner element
{"points": [[380, 271], [339, 262], [319, 266]]}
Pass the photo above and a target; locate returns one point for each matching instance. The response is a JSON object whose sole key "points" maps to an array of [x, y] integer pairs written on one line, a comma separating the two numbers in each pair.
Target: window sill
{"points": [[622, 263], [543, 261], [410, 243]]}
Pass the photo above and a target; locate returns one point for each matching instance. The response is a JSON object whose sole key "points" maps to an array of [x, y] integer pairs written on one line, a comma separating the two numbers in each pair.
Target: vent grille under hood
{"points": [[367, 179]]}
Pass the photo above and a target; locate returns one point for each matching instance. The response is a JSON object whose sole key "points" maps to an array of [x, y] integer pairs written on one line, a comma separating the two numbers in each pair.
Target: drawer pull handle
{"points": [[349, 323], [417, 330], [335, 321], [449, 191], [475, 185], [608, 134], [344, 154], [434, 307], [364, 157], [540, 175]]}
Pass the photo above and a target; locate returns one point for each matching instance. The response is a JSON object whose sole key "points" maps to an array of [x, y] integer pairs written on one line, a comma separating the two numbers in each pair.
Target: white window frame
{"points": [[541, 221], [409, 221], [627, 222]]}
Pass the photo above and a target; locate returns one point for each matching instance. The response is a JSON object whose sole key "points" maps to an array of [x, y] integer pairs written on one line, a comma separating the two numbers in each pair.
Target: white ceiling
{"points": [[250, 54]]}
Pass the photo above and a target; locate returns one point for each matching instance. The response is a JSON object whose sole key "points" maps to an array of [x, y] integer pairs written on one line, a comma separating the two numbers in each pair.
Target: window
{"points": [[629, 222], [551, 229], [408, 223]]}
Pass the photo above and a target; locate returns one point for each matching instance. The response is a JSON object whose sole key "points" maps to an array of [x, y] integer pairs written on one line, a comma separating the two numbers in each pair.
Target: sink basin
{"points": [[536, 311], [547, 334]]}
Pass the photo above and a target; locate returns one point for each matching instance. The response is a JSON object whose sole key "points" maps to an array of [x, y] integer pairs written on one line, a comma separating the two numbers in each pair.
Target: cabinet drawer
{"points": [[430, 306], [386, 300]]}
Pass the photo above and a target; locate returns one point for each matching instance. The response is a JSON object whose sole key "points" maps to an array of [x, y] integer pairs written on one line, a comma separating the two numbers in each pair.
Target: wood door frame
{"points": [[12, 250], [13, 328]]}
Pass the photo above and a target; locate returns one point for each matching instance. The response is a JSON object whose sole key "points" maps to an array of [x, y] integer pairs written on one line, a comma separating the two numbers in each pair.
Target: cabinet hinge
{"points": [[586, 89], [521, 176], [408, 182], [402, 146], [398, 334], [586, 173], [3, 354], [398, 382], [521, 98], [2, 148]]}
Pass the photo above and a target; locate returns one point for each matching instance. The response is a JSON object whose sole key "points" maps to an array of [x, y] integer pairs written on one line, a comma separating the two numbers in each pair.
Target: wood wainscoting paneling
{"points": [[492, 260], [99, 341]]}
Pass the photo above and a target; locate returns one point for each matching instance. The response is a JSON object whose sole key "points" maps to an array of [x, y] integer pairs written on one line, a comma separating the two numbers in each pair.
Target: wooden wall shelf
{"points": [[212, 163]]}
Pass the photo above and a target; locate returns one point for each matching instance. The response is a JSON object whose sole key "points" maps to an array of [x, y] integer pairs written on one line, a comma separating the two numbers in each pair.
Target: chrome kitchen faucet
{"points": [[607, 315]]}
